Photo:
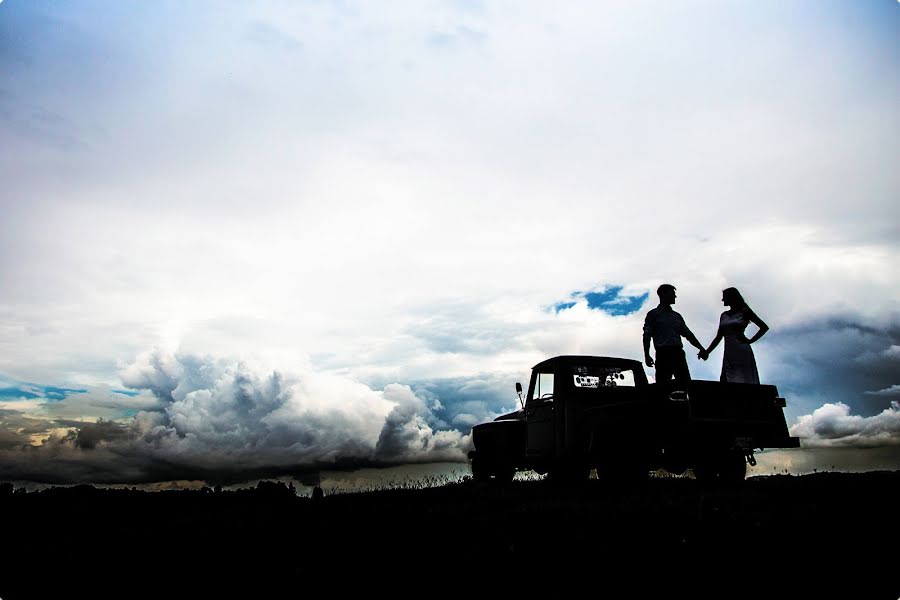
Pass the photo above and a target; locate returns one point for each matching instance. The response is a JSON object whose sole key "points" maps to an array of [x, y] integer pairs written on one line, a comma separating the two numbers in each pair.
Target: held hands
{"points": [[648, 359], [703, 355]]}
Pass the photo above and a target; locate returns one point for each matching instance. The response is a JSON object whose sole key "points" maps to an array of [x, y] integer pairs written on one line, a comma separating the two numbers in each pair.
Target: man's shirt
{"points": [[666, 327]]}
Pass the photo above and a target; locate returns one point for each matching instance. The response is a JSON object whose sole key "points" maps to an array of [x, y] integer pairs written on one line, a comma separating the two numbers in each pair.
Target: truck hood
{"points": [[518, 415]]}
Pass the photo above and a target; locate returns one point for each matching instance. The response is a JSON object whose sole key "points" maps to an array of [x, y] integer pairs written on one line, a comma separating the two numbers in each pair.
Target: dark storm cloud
{"points": [[845, 369], [91, 434], [845, 359], [16, 428], [228, 422]]}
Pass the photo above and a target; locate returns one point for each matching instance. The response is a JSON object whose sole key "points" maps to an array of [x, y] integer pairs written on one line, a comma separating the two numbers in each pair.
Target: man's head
{"points": [[666, 293]]}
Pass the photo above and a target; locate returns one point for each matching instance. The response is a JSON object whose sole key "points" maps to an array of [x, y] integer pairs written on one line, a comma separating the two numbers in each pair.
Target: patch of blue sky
{"points": [[610, 300], [27, 391], [130, 393], [58, 393], [564, 306], [17, 393], [618, 305]]}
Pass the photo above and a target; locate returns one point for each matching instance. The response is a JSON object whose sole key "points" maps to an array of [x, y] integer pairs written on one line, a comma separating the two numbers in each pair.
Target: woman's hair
{"points": [[733, 298]]}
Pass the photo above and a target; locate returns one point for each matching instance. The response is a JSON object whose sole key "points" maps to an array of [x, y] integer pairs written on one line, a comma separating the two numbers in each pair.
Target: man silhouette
{"points": [[666, 327]]}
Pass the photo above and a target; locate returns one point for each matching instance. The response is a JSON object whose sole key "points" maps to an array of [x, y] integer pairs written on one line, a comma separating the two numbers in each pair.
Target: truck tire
{"points": [[623, 473], [504, 474], [483, 470], [568, 474], [479, 470], [734, 469], [723, 468]]}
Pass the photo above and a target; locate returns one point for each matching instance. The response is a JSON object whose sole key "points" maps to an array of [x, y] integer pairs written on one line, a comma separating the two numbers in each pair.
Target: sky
{"points": [[244, 240]]}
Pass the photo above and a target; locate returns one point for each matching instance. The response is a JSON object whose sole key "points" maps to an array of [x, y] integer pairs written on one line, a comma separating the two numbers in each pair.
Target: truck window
{"points": [[599, 377], [543, 387]]}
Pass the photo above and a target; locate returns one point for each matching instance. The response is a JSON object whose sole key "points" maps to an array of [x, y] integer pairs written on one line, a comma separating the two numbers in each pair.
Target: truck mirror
{"points": [[518, 388]]}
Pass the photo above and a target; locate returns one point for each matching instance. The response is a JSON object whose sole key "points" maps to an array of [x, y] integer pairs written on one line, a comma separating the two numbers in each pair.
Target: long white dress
{"points": [[738, 364]]}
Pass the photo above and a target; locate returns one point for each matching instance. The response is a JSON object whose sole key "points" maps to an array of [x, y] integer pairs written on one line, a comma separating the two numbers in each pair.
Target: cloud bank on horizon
{"points": [[394, 213], [230, 422]]}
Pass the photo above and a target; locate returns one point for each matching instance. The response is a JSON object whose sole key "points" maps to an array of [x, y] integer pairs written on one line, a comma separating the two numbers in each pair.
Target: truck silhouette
{"points": [[587, 412]]}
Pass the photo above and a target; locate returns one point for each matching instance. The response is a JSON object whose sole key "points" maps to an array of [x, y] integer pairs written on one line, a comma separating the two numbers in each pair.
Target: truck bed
{"points": [[740, 410]]}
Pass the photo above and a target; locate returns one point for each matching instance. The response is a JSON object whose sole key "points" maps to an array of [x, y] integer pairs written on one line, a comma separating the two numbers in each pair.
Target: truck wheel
{"points": [[734, 468], [626, 473], [569, 474], [727, 468], [479, 470], [484, 471], [504, 474], [705, 472]]}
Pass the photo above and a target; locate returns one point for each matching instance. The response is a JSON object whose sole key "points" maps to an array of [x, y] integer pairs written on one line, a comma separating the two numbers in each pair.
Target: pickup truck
{"points": [[587, 412]]}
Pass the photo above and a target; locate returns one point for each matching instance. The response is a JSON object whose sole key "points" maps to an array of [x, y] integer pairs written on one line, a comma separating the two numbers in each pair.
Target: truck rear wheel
{"points": [[504, 474], [735, 468], [727, 468], [479, 470], [569, 474], [624, 473]]}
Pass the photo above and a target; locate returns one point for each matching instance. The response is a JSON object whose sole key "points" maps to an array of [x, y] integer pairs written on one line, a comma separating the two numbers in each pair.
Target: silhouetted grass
{"points": [[403, 533]]}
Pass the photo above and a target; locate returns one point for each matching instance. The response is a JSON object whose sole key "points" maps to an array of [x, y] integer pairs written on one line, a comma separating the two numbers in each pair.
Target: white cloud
{"points": [[22, 405], [832, 425], [893, 352], [894, 390]]}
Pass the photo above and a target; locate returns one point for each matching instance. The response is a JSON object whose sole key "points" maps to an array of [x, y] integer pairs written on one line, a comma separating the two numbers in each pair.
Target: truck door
{"points": [[539, 417]]}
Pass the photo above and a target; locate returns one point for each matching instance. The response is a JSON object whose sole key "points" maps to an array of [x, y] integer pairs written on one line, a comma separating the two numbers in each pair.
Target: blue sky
{"points": [[432, 196], [609, 300]]}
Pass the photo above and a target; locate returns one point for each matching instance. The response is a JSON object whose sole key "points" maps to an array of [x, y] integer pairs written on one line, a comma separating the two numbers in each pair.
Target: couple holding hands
{"points": [[666, 328]]}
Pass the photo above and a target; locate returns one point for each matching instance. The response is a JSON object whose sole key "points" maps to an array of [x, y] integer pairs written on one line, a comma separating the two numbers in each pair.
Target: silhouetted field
{"points": [[824, 535]]}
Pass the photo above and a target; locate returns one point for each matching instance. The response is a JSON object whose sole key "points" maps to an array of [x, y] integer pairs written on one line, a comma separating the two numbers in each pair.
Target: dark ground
{"points": [[829, 535]]}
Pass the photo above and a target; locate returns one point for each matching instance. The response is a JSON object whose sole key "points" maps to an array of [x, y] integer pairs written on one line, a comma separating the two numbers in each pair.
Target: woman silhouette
{"points": [[738, 364]]}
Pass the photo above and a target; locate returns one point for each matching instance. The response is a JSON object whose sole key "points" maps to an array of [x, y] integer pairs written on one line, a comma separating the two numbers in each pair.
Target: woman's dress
{"points": [[738, 364]]}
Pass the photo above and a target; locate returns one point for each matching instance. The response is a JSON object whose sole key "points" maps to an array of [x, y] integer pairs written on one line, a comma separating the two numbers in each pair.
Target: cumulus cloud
{"points": [[231, 421], [406, 435], [832, 425]]}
